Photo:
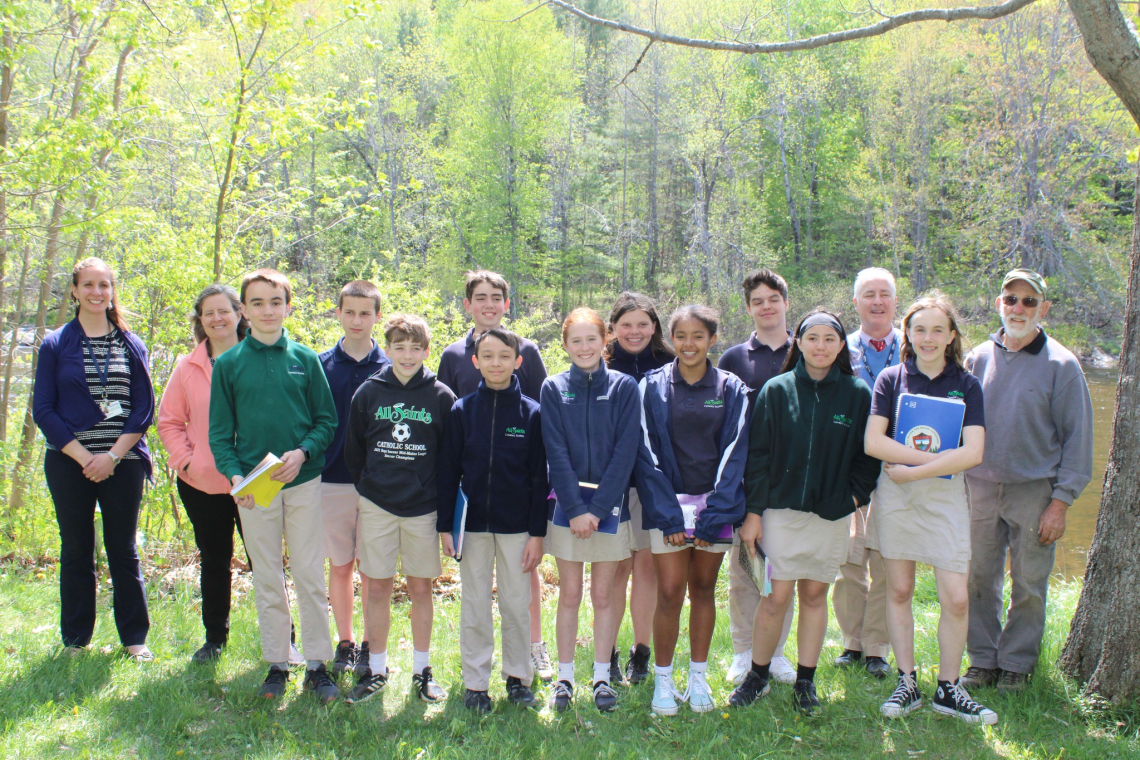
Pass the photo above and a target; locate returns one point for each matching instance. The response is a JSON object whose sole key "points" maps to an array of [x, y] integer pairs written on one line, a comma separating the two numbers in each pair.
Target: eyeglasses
{"points": [[1028, 302]]}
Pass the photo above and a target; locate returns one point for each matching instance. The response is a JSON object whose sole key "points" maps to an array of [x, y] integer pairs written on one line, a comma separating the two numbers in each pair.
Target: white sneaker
{"points": [[541, 661], [295, 658], [698, 693], [781, 671], [741, 664], [665, 696]]}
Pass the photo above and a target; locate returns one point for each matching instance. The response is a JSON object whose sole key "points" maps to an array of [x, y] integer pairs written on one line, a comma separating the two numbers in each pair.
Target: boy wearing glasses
{"points": [[1034, 468]]}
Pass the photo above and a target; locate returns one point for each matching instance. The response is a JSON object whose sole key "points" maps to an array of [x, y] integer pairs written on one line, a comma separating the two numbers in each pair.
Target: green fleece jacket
{"points": [[270, 398], [806, 445]]}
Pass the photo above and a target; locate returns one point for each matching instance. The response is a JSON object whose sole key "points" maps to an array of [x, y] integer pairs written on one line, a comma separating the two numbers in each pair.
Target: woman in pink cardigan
{"points": [[184, 427]]}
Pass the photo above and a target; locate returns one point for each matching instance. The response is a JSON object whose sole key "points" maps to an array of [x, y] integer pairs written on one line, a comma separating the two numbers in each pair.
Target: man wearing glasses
{"points": [[1038, 459]]}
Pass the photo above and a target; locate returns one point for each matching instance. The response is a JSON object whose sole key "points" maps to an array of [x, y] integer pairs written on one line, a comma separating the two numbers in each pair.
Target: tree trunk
{"points": [[13, 345]]}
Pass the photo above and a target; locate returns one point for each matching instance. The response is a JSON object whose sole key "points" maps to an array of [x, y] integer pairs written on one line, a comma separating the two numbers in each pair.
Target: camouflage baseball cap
{"points": [[1036, 281]]}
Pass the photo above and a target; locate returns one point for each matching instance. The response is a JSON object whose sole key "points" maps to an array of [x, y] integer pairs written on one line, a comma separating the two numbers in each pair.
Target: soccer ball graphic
{"points": [[401, 432]]}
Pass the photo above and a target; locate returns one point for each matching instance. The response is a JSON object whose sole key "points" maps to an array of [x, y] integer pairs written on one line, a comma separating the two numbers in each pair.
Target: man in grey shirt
{"points": [[1038, 459]]}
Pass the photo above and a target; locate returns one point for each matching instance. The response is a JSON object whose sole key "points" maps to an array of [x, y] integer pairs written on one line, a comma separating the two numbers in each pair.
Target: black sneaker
{"points": [[804, 698], [427, 688], [519, 694], [367, 686], [750, 689], [561, 695], [637, 667], [617, 678], [361, 660], [321, 683], [605, 698], [273, 687], [878, 667], [344, 660], [905, 699], [952, 699], [848, 658], [479, 701], [209, 652]]}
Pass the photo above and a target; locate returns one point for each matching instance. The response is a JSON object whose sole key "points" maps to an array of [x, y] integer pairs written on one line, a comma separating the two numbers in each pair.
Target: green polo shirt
{"points": [[270, 398]]}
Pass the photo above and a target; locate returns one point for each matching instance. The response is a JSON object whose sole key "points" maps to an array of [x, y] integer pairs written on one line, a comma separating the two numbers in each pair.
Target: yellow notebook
{"points": [[258, 484]]}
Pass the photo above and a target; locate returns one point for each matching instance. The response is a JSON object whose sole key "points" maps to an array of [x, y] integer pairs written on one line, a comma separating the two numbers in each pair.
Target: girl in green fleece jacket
{"points": [[807, 472]]}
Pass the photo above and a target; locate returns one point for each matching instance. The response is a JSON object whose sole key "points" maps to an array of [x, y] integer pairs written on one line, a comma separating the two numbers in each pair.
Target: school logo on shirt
{"points": [[397, 413], [955, 394], [842, 419], [516, 432], [567, 395], [714, 402], [296, 369], [923, 438]]}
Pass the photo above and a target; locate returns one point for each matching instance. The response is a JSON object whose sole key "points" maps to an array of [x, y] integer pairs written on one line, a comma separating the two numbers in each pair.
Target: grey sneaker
{"points": [[561, 696], [1012, 682], [274, 685], [321, 684], [541, 661], [605, 698], [976, 678], [209, 652]]}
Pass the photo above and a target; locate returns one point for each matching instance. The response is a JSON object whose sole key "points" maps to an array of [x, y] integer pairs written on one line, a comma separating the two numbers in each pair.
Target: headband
{"points": [[820, 318]]}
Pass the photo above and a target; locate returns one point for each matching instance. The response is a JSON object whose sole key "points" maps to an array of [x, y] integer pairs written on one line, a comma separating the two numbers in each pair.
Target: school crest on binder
{"points": [[923, 438]]}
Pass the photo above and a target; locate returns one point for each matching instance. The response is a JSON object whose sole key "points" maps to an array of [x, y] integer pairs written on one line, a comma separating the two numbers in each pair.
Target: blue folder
{"points": [[459, 525], [607, 525], [928, 423]]}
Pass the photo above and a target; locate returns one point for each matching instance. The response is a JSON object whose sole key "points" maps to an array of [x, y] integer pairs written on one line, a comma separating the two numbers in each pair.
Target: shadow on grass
{"points": [[56, 679]]}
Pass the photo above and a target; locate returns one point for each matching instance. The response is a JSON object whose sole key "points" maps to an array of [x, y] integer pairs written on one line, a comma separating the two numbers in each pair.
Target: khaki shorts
{"points": [[925, 520], [639, 535], [802, 545], [657, 545], [561, 544], [339, 508], [385, 537]]}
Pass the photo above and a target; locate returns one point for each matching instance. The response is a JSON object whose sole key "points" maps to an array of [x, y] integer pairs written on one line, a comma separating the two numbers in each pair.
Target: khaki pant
{"points": [[295, 514], [485, 556], [743, 599], [1006, 517], [861, 605]]}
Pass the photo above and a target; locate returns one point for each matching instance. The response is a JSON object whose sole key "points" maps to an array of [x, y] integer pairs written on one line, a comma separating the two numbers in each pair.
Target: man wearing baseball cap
{"points": [[1038, 459]]}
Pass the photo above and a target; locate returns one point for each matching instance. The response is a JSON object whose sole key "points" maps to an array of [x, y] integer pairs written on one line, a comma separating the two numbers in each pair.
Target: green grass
{"points": [[101, 705]]}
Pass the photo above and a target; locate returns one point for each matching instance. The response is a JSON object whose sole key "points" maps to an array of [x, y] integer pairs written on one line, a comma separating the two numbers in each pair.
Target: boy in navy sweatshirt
{"points": [[493, 450]]}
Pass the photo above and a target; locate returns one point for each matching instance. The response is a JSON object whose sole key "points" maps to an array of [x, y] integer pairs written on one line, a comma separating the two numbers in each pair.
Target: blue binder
{"points": [[607, 525], [928, 423], [459, 525]]}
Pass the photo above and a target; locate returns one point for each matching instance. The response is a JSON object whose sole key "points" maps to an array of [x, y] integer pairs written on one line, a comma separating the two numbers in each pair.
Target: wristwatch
{"points": [[304, 450], [114, 459]]}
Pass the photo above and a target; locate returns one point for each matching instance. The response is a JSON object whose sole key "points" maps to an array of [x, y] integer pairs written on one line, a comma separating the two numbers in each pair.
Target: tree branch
{"points": [[809, 43]]}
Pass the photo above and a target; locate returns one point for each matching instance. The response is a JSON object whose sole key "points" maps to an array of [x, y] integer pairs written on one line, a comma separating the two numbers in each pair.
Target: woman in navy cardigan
{"points": [[93, 400]]}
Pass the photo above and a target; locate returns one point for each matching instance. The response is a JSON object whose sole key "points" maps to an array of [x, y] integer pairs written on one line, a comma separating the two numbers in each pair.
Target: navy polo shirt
{"points": [[696, 416], [457, 371], [345, 375], [754, 362], [952, 382]]}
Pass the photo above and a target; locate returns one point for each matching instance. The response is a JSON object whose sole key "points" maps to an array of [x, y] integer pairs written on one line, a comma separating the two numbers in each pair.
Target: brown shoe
{"points": [[1012, 682], [976, 678]]}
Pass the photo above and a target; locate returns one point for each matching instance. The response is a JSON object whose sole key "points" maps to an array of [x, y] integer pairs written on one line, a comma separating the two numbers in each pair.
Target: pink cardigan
{"points": [[184, 423]]}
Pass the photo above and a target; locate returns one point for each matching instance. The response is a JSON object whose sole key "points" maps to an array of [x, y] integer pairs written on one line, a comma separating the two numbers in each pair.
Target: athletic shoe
{"points": [[804, 698], [665, 695], [781, 671], [427, 688], [321, 684], [142, 655], [478, 701], [519, 694], [751, 689], [541, 661], [561, 695], [344, 659], [878, 667], [1012, 682], [605, 698], [905, 699], [952, 699], [209, 652], [976, 678], [273, 687], [848, 658], [698, 694], [616, 677], [637, 667], [361, 660], [367, 686], [296, 660], [740, 667]]}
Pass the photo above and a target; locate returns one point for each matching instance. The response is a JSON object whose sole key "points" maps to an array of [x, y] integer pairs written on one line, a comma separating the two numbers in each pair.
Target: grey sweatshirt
{"points": [[1039, 421]]}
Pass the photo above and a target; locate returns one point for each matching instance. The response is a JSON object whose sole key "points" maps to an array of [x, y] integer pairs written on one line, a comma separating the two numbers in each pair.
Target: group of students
{"points": [[643, 460]]}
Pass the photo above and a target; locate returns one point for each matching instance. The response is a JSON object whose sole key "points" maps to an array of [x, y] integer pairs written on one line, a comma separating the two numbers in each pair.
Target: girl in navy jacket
{"points": [[590, 428], [690, 477], [93, 401]]}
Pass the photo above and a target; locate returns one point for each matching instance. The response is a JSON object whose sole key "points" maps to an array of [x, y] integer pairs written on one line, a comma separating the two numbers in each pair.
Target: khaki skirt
{"points": [[561, 544], [926, 521], [804, 546], [639, 536]]}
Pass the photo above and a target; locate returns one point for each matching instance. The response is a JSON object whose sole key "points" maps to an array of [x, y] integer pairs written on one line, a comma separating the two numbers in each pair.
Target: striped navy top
{"points": [[100, 438]]}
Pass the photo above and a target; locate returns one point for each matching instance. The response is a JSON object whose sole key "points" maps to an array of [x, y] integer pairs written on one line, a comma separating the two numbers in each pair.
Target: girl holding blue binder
{"points": [[918, 515], [590, 427]]}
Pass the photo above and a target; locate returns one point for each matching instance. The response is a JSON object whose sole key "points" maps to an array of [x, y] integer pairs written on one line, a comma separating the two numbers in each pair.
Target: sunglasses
{"points": [[1028, 302]]}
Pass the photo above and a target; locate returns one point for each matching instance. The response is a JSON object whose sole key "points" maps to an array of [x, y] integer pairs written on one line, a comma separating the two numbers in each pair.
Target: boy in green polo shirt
{"points": [[269, 395]]}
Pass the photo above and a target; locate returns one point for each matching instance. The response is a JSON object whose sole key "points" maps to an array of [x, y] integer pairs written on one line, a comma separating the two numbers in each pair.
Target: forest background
{"points": [[410, 141]]}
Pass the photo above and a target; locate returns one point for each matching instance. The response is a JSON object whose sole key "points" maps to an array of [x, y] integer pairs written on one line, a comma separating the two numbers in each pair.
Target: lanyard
{"points": [[102, 373], [890, 357]]}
